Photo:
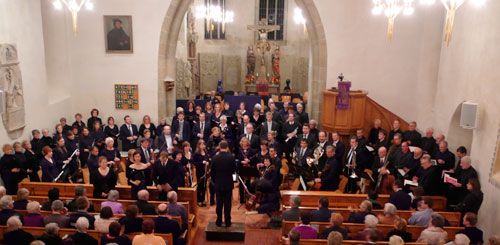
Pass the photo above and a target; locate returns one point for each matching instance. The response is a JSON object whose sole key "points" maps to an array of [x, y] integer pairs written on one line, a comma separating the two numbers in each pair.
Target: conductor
{"points": [[223, 167]]}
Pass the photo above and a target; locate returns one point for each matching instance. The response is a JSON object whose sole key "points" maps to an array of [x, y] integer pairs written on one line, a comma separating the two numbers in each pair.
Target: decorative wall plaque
{"points": [[126, 97]]}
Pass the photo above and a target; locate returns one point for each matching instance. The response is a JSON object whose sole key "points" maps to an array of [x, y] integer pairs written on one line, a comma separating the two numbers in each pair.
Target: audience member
{"points": [[335, 226], [80, 237], [53, 194], [166, 225], [400, 230], [114, 237], [372, 197], [460, 239], [142, 203], [389, 216], [370, 226], [399, 197], [294, 237], [80, 191], [51, 235], [33, 218], [434, 234], [334, 238], [365, 208], [471, 231], [396, 240], [14, 234], [424, 213], [3, 191], [305, 229], [58, 215], [147, 237], [113, 202], [22, 199], [176, 209], [473, 200], [7, 209], [104, 219], [293, 214], [82, 205], [323, 214], [131, 222]]}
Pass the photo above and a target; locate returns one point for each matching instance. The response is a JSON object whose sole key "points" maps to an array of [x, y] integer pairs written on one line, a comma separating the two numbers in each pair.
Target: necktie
{"points": [[146, 154], [130, 129], [302, 151], [202, 127], [305, 136], [269, 126]]}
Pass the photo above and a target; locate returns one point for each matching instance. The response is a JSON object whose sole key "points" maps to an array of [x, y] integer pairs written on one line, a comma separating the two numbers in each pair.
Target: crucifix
{"points": [[263, 28]]}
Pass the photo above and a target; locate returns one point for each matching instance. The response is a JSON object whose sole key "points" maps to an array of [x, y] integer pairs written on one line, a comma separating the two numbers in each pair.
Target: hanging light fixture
{"points": [[214, 14], [451, 7], [299, 18], [391, 9], [74, 7]]}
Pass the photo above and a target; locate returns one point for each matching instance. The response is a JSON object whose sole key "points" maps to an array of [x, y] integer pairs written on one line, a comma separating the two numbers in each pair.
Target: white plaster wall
{"points": [[469, 71], [21, 24], [401, 74], [91, 72]]}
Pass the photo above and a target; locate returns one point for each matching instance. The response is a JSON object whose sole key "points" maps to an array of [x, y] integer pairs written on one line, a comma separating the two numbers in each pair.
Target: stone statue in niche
{"points": [[276, 66], [251, 59], [11, 84], [192, 36], [188, 81]]}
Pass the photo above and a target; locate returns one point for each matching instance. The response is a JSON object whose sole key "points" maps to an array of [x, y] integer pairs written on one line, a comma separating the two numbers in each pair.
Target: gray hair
{"points": [[37, 242], [390, 209], [295, 200], [109, 140], [82, 224], [371, 221], [23, 194], [33, 207], [461, 239], [52, 229], [6, 202], [366, 205], [113, 195], [143, 195], [14, 223], [334, 238], [396, 240], [79, 190], [172, 196], [466, 159], [57, 205], [223, 117]]}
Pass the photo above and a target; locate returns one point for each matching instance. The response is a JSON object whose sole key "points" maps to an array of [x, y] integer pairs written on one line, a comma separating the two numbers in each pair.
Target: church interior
{"points": [[245, 122]]}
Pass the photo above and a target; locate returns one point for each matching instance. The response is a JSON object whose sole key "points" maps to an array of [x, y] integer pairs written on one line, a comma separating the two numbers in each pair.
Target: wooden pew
{"points": [[355, 228], [184, 194], [346, 242], [38, 231], [452, 217], [339, 200]]}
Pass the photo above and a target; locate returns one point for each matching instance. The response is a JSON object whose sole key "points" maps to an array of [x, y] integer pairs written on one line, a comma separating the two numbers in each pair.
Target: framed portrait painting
{"points": [[118, 33]]}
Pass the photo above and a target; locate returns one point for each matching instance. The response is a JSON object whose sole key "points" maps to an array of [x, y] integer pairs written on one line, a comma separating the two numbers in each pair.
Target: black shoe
{"points": [[228, 225], [218, 224]]}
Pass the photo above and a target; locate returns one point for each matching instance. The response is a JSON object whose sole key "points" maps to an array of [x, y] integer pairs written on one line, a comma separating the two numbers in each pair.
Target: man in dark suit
{"points": [[242, 128], [222, 171], [166, 140], [147, 156], [355, 164], [330, 176], [128, 134], [268, 126], [302, 152], [289, 131], [201, 129], [181, 128], [321, 146], [428, 177], [400, 198], [339, 147], [164, 175], [381, 165], [292, 214], [253, 138], [323, 214], [165, 225], [311, 138], [145, 208]]}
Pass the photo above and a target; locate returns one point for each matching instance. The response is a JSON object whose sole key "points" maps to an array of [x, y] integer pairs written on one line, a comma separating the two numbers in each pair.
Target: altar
{"points": [[272, 88]]}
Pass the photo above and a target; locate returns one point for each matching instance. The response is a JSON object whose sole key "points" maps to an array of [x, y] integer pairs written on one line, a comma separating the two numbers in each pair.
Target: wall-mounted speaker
{"points": [[469, 115]]}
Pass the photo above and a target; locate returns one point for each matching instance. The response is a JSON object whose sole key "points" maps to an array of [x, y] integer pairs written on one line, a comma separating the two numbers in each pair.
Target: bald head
{"points": [[162, 209], [143, 195], [382, 151]]}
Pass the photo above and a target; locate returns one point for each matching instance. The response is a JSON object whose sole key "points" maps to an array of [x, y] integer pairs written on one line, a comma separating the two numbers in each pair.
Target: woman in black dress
{"points": [[61, 154], [94, 117], [112, 130], [104, 179], [136, 174], [86, 144], [201, 159], [473, 200], [32, 163], [190, 113], [59, 132], [187, 159], [10, 169], [21, 158], [49, 167], [214, 140], [97, 134], [112, 155], [147, 124]]}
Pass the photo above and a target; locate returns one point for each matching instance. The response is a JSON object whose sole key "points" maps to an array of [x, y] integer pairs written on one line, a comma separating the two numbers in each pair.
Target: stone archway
{"points": [[458, 136], [168, 45]]}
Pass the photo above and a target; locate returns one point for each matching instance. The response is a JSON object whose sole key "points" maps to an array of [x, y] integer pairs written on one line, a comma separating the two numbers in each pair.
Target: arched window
{"points": [[274, 12]]}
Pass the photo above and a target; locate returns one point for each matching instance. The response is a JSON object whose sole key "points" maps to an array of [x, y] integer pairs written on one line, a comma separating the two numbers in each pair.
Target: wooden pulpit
{"points": [[343, 121]]}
